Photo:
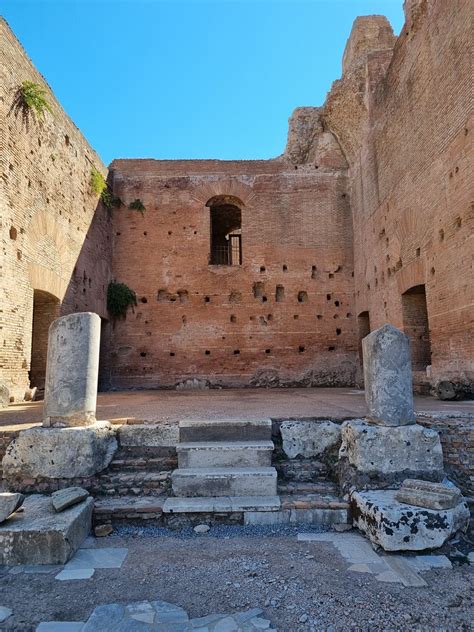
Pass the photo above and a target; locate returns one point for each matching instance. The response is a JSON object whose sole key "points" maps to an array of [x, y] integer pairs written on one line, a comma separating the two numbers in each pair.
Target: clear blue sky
{"points": [[188, 78]]}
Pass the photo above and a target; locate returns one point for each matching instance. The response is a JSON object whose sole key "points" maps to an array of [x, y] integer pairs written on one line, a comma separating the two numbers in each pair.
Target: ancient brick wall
{"points": [[404, 119], [55, 238], [283, 317]]}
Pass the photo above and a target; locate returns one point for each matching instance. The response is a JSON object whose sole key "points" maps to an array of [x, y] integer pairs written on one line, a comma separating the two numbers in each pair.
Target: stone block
{"points": [[373, 456], [388, 377], [309, 438], [72, 370], [4, 395], [399, 527], [205, 454], [149, 435], [427, 494], [9, 503], [39, 535], [64, 498], [60, 452], [225, 481]]}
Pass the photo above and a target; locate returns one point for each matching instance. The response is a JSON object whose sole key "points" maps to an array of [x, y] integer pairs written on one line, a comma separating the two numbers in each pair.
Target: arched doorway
{"points": [[226, 231], [45, 310], [416, 327]]}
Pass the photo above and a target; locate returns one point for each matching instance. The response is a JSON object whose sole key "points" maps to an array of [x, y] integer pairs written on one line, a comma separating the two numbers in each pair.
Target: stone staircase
{"points": [[224, 466]]}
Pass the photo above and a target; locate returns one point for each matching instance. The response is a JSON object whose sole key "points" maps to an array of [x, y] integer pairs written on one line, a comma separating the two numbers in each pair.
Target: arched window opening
{"points": [[416, 326], [226, 231]]}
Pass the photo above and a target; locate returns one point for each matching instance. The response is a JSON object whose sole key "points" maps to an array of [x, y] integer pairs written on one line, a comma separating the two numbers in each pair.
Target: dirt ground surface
{"points": [[299, 585], [155, 406]]}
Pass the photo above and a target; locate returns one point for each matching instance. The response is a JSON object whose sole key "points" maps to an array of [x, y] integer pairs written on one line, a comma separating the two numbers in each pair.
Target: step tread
{"points": [[225, 471], [313, 501], [129, 504], [225, 445], [191, 423], [221, 504]]}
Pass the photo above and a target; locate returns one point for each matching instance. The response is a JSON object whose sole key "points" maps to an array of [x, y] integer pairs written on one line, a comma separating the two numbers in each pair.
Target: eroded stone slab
{"points": [[39, 535], [373, 456], [149, 435], [309, 438], [427, 494], [72, 370], [9, 503], [399, 527], [388, 377], [64, 498], [60, 452]]}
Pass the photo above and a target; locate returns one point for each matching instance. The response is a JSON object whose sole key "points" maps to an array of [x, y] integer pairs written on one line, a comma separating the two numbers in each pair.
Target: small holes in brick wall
{"points": [[331, 348], [316, 166], [441, 234], [233, 318], [18, 255], [331, 275], [418, 252], [66, 140], [262, 269], [143, 354], [295, 316], [348, 315], [13, 233], [285, 268], [262, 321], [235, 297], [458, 222], [172, 354], [338, 331], [207, 352], [328, 297], [319, 316], [207, 299], [236, 351], [264, 299], [302, 297], [183, 296], [162, 296], [145, 233], [184, 320], [268, 351], [314, 271], [335, 316], [301, 349], [336, 303], [270, 317], [257, 289], [144, 299], [170, 232], [279, 293], [432, 271]]}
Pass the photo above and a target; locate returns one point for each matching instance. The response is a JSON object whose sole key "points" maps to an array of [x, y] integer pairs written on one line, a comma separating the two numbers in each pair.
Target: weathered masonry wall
{"points": [[403, 113], [283, 317], [55, 239]]}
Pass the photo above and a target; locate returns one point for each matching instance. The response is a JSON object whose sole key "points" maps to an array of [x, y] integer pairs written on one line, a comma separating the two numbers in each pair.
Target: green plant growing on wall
{"points": [[98, 183], [32, 97], [119, 298], [137, 205]]}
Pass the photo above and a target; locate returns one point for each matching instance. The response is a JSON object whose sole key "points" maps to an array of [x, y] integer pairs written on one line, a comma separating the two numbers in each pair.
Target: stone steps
{"points": [[224, 481], [322, 486], [138, 482], [225, 430], [205, 454], [231, 504]]}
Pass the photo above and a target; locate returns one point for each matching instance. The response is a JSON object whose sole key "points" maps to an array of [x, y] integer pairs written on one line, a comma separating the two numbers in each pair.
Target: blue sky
{"points": [[188, 78]]}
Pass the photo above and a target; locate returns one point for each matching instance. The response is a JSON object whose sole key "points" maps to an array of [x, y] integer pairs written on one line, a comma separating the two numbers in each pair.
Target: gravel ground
{"points": [[300, 586]]}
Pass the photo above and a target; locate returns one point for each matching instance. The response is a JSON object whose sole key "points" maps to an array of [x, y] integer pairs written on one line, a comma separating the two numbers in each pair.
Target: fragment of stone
{"points": [[395, 526], [60, 453], [309, 438], [201, 528], [64, 498], [39, 535], [428, 494], [9, 503], [4, 395], [5, 613], [388, 377], [72, 370], [103, 530], [149, 435], [373, 456]]}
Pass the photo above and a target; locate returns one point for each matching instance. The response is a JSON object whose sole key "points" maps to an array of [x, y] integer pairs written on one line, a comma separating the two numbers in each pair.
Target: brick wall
{"points": [[284, 316], [55, 239], [404, 118]]}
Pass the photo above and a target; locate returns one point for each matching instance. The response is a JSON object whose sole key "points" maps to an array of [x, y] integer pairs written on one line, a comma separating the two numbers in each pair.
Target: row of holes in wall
{"points": [[236, 352], [258, 289]]}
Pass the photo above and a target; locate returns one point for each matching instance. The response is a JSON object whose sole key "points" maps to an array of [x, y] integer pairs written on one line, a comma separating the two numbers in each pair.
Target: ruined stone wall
{"points": [[403, 116], [55, 238], [283, 317]]}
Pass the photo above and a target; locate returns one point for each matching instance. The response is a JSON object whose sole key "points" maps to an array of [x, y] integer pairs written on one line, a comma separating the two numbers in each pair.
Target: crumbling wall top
{"points": [[369, 33]]}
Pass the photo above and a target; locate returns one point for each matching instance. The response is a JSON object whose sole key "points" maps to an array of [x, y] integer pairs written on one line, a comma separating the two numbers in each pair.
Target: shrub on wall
{"points": [[137, 205], [31, 97], [119, 298], [100, 187]]}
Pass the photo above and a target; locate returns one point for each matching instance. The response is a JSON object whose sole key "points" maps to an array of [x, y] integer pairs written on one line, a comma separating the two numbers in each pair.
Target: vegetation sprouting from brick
{"points": [[100, 187], [31, 97], [137, 205], [119, 298]]}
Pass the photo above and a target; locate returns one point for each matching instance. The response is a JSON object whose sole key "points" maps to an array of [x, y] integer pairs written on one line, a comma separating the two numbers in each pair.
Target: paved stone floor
{"points": [[155, 406], [237, 579]]}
